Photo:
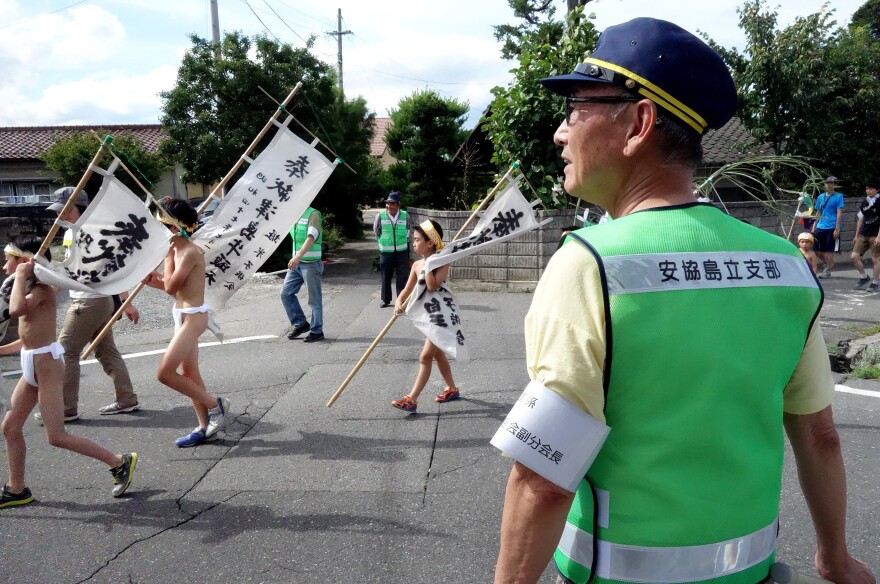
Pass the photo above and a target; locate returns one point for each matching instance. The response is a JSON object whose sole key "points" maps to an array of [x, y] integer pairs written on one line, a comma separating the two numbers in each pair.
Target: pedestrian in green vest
{"points": [[390, 227], [305, 267], [667, 350]]}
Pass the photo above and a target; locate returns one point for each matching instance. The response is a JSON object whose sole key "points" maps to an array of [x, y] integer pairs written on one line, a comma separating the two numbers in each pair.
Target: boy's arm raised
{"points": [[21, 302]]}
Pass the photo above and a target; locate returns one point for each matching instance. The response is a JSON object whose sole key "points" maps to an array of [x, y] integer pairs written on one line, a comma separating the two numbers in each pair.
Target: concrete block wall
{"points": [[519, 261]]}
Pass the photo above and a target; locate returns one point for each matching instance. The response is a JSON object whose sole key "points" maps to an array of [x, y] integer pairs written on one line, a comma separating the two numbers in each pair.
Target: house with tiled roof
{"points": [[24, 178], [378, 148]]}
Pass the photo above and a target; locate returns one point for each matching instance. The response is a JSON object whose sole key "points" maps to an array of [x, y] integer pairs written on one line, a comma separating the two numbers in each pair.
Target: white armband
{"points": [[313, 231], [551, 436]]}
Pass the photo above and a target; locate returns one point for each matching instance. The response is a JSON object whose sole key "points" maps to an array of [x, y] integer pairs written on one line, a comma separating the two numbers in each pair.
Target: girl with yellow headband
{"points": [[427, 240]]}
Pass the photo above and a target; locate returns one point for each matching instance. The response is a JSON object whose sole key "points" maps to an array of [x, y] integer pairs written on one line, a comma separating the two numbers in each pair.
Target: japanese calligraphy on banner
{"points": [[252, 219], [436, 315], [116, 243], [509, 216]]}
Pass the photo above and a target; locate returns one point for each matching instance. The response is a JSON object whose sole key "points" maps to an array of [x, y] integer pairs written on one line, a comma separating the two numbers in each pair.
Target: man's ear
{"points": [[642, 119]]}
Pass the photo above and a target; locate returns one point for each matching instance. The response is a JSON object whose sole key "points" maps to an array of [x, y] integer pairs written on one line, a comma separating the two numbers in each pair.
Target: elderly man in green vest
{"points": [[305, 267], [667, 350], [392, 233]]}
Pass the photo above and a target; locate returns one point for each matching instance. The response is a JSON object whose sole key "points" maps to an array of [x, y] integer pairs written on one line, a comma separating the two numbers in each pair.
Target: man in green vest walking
{"points": [[667, 350], [392, 234], [306, 267]]}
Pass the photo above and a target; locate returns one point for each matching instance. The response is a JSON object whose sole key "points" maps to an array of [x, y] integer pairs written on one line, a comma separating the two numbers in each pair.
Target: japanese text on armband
{"points": [[532, 440]]}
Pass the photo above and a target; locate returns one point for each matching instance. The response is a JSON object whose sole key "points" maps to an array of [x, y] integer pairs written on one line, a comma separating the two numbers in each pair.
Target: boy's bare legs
{"points": [[24, 399], [50, 375], [183, 350]]}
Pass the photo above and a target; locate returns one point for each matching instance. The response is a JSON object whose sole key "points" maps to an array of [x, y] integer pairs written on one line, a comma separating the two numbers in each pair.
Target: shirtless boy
{"points": [[42, 365], [184, 278]]}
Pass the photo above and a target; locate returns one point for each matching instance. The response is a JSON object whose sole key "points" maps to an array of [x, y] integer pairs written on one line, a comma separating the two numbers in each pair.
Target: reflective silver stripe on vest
{"points": [[660, 272], [670, 564], [577, 544]]}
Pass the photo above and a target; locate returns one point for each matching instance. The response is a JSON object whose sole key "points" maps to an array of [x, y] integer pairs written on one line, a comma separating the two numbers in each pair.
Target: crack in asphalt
{"points": [[178, 501], [431, 460]]}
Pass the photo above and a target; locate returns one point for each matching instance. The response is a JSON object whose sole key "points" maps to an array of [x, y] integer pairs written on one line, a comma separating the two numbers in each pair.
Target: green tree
{"points": [[868, 15], [71, 156], [216, 108], [524, 115], [810, 89], [426, 132]]}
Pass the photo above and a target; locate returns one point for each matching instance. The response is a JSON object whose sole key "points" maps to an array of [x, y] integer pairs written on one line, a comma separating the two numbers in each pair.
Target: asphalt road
{"points": [[361, 492]]}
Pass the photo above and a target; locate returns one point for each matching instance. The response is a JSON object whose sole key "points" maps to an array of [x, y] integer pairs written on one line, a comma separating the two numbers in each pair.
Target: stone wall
{"points": [[520, 262]]}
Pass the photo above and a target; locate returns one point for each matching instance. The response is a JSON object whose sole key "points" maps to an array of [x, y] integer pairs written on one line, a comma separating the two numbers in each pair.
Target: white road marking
{"points": [[17, 372], [846, 389]]}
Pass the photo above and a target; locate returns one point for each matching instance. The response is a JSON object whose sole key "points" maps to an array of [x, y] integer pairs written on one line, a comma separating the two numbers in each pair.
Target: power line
{"points": [[261, 20], [43, 14], [285, 23], [323, 23]]}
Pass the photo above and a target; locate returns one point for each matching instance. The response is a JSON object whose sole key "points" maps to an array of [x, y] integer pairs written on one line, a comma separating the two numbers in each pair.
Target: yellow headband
{"points": [[165, 218], [432, 234], [16, 251]]}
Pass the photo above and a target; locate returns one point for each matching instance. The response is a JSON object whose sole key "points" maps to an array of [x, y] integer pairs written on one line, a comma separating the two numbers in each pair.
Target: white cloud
{"points": [[100, 98], [83, 35]]}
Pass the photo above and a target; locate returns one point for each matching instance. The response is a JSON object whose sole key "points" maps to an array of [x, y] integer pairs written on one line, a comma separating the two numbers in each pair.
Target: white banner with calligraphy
{"points": [[252, 219], [509, 216], [116, 243], [436, 315]]}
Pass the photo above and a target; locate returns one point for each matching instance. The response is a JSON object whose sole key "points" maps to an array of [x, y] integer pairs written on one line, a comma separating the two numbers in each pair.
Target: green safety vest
{"points": [[706, 319], [393, 236], [300, 232]]}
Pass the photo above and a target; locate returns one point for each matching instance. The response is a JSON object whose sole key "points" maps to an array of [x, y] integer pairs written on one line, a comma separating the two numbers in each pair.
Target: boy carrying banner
{"points": [[184, 278], [427, 240], [42, 364]]}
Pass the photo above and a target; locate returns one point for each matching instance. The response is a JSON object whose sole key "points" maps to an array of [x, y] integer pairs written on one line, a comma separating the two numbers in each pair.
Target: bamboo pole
{"points": [[250, 148], [485, 201], [393, 318], [47, 241], [118, 314], [310, 133], [795, 218]]}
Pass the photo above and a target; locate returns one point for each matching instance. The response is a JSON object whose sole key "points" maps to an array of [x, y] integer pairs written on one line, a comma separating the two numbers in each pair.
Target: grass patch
{"points": [[832, 347], [866, 372], [863, 332]]}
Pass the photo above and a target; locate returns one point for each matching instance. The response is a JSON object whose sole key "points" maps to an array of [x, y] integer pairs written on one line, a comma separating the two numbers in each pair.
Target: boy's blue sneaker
{"points": [[217, 417], [194, 438]]}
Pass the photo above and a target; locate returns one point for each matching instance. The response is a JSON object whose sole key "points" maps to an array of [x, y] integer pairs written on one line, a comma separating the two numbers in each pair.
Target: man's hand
{"points": [[853, 572], [293, 263], [132, 313], [398, 307], [877, 241], [836, 233]]}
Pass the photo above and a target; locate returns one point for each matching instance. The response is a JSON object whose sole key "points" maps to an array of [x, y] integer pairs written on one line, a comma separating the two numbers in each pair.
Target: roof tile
{"points": [[27, 142]]}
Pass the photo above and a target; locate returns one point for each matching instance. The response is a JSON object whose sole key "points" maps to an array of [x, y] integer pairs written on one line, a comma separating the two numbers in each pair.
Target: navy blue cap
{"points": [[393, 198], [664, 63]]}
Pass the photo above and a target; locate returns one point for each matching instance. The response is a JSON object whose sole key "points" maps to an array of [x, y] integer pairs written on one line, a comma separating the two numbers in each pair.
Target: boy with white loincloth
{"points": [[184, 278], [42, 365]]}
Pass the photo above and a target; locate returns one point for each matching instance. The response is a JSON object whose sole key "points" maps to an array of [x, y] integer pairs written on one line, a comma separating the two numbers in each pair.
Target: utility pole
{"points": [[215, 27], [338, 34]]}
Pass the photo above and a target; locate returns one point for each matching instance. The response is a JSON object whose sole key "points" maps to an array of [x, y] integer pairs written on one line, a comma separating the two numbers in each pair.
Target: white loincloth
{"points": [[27, 360], [178, 313]]}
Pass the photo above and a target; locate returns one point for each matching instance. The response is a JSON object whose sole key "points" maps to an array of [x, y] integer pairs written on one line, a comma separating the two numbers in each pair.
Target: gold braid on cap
{"points": [[14, 250], [432, 234]]}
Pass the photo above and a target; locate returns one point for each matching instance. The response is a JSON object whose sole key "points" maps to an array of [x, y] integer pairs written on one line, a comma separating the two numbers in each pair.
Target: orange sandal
{"points": [[405, 403], [449, 394]]}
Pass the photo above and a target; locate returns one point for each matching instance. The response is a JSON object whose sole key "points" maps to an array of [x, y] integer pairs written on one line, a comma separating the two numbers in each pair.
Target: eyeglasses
{"points": [[596, 99]]}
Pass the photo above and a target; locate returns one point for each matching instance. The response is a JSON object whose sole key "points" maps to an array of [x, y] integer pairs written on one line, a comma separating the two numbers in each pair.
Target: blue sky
{"points": [[105, 61]]}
